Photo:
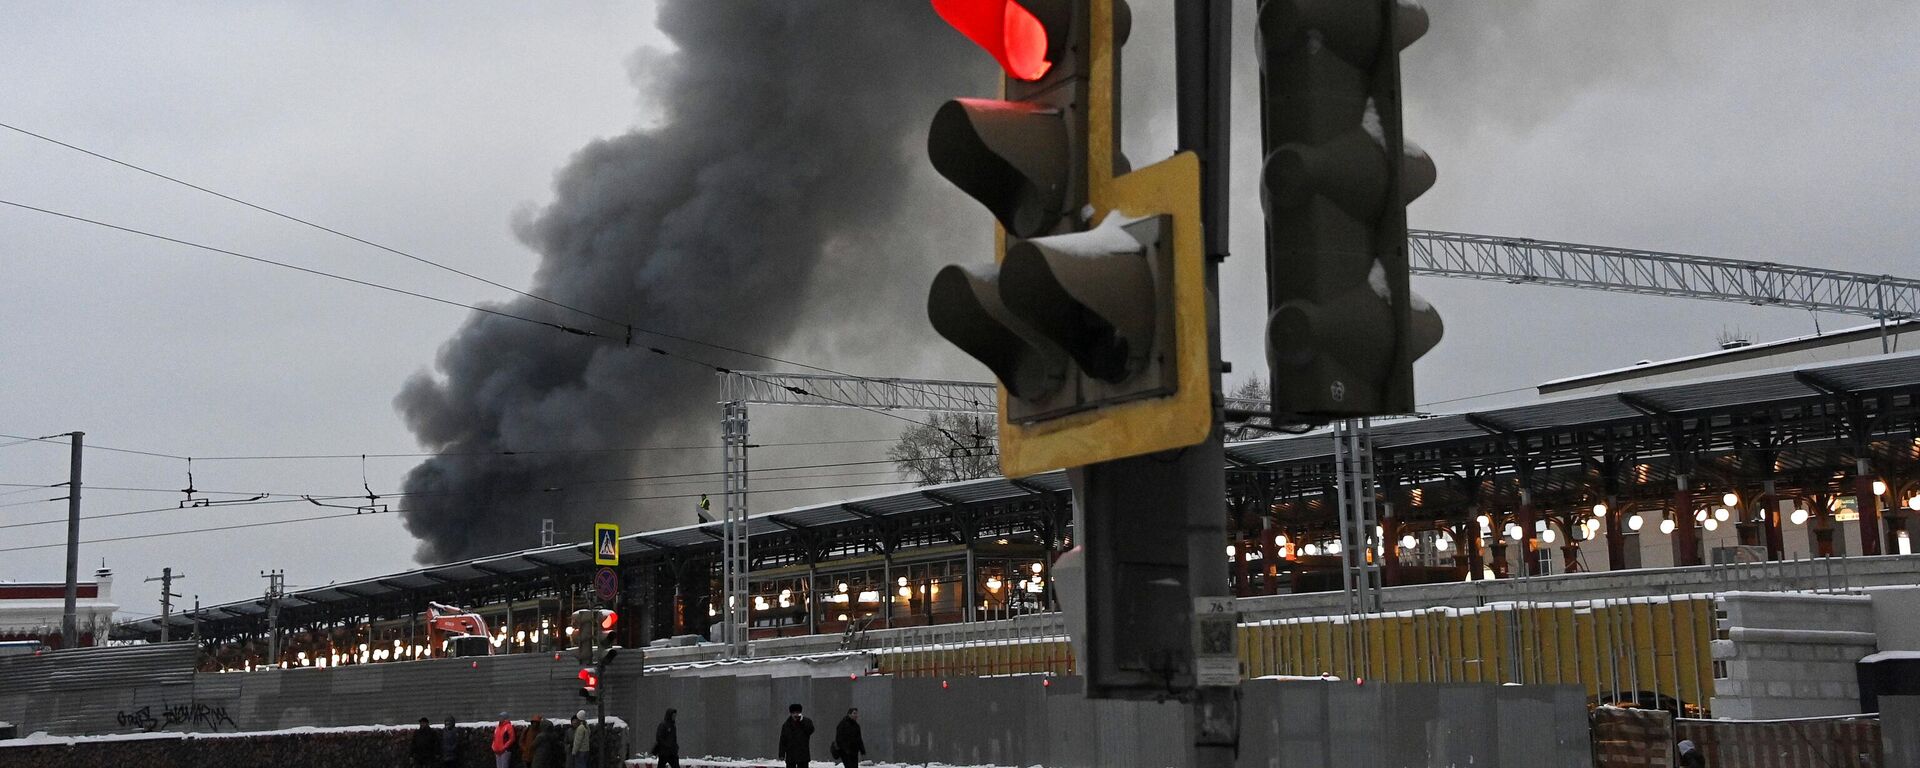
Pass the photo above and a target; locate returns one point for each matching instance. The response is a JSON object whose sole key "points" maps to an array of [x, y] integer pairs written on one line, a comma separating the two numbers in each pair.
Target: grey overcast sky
{"points": [[1766, 131]]}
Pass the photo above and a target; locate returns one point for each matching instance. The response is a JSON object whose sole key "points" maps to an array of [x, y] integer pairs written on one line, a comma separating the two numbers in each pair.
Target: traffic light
{"points": [[1093, 316], [1343, 327], [589, 684], [591, 629]]}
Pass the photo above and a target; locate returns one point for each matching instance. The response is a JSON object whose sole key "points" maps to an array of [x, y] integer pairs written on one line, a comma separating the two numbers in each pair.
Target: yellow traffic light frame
{"points": [[1170, 188]]}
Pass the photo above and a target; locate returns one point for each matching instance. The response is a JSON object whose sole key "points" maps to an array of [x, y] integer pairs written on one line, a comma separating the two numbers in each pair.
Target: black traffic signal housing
{"points": [[1343, 327], [592, 627], [1093, 315]]}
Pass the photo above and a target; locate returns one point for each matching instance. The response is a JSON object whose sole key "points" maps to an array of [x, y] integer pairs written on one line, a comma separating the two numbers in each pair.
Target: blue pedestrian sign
{"points": [[606, 544]]}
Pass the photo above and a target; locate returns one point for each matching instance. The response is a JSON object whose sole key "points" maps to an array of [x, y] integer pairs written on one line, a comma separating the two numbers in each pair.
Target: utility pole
{"points": [[276, 589], [196, 618], [167, 595], [1203, 40], [70, 612], [1099, 319]]}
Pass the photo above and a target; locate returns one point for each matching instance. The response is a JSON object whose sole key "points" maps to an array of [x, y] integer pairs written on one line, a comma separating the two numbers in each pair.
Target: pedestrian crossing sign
{"points": [[606, 544]]}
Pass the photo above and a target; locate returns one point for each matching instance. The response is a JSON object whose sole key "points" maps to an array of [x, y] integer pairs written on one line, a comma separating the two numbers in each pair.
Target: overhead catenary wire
{"points": [[543, 489], [628, 327], [288, 498], [91, 446], [483, 309], [214, 529], [297, 268]]}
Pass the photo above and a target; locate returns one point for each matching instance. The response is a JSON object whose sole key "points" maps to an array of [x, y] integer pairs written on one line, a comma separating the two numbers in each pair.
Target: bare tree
{"points": [[948, 447]]}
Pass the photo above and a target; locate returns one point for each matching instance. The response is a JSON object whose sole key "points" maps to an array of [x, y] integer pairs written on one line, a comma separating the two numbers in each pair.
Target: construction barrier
{"points": [[1827, 742]]}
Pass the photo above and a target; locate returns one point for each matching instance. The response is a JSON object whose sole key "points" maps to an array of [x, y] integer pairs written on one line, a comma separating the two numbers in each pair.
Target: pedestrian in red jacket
{"points": [[504, 739]]}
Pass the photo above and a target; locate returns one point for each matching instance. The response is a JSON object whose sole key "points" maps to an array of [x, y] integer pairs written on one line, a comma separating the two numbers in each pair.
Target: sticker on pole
{"points": [[606, 544], [1216, 661]]}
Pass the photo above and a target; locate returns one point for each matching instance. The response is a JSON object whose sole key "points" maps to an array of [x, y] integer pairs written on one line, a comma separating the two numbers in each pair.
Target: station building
{"points": [[1601, 520], [32, 611]]}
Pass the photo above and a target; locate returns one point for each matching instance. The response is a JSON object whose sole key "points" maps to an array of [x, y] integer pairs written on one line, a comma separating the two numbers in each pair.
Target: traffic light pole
{"points": [[1203, 45]]}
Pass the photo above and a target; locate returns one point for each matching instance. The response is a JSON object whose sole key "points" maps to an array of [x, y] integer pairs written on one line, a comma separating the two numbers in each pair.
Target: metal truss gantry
{"points": [[739, 389], [1654, 273]]}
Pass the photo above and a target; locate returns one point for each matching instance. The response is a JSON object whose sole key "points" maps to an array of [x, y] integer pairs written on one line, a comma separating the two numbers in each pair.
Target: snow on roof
{"points": [[1896, 327]]}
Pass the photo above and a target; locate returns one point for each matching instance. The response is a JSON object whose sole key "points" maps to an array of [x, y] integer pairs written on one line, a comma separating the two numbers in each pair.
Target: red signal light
{"points": [[1005, 28], [589, 679], [607, 620]]}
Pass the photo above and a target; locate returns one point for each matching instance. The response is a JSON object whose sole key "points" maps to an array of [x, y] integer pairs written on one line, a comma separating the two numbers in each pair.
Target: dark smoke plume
{"points": [[793, 133]]}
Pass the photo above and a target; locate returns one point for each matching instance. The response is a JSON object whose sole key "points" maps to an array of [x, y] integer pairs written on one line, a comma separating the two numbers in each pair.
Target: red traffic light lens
{"points": [[1006, 29], [608, 619], [589, 679]]}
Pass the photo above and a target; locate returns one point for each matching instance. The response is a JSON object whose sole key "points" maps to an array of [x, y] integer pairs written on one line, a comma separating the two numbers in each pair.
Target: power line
{"points": [[154, 510], [56, 439], [557, 451], [1474, 397], [298, 220], [500, 313], [628, 326], [288, 498], [546, 489], [137, 537], [214, 529], [298, 268]]}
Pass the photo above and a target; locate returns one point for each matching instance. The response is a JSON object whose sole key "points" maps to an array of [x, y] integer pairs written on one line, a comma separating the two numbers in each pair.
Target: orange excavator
{"points": [[463, 631]]}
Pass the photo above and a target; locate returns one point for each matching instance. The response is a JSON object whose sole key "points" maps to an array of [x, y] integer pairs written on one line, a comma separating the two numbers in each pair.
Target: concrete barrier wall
{"points": [[1320, 725], [1014, 720], [141, 689], [1791, 655], [308, 749]]}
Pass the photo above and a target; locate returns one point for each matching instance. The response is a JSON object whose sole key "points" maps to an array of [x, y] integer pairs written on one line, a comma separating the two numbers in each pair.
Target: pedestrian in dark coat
{"points": [[847, 746], [449, 744], [666, 742], [1690, 756], [547, 751], [531, 737], [426, 746], [796, 733]]}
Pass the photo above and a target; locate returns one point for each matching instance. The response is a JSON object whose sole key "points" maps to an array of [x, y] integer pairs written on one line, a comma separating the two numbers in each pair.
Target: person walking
{"points": [[580, 747], [1690, 756], [504, 738], [449, 744], [666, 742], [796, 733], [847, 746], [426, 746]]}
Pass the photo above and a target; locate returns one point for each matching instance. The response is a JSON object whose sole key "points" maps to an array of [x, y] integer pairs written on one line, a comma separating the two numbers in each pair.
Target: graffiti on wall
{"points": [[199, 717]]}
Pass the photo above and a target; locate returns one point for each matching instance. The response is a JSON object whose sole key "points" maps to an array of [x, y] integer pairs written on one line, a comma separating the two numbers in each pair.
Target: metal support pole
{"points": [[166, 578], [69, 610], [1203, 42], [734, 562], [1869, 505], [276, 588]]}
